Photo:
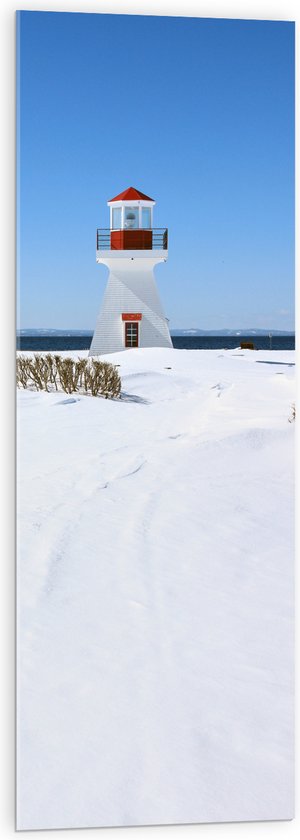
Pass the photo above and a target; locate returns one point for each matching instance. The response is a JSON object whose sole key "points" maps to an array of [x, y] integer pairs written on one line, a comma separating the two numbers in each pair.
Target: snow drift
{"points": [[155, 594]]}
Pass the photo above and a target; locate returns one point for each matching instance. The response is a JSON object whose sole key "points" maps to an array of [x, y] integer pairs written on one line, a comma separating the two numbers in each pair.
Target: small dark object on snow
{"points": [[247, 345]]}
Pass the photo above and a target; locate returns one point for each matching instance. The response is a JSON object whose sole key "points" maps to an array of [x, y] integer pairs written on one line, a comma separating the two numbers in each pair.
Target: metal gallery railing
{"points": [[158, 240]]}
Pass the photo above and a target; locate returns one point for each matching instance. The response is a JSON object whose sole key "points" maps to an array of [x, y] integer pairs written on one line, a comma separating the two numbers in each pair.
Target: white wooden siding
{"points": [[131, 287]]}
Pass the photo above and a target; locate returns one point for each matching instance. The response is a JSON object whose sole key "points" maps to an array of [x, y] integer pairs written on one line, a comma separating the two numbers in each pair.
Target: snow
{"points": [[155, 594]]}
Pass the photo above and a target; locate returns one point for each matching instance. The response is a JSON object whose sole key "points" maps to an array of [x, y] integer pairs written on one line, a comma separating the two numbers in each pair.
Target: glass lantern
{"points": [[131, 218]]}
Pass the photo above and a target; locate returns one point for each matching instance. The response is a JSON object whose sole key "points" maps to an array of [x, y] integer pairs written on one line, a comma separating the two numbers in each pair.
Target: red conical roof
{"points": [[130, 193]]}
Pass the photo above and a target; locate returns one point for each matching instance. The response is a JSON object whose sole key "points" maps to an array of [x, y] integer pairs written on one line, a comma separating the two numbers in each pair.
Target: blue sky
{"points": [[199, 114]]}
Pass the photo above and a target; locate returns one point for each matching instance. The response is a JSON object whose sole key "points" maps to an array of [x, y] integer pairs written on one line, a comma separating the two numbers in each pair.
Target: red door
{"points": [[131, 334]]}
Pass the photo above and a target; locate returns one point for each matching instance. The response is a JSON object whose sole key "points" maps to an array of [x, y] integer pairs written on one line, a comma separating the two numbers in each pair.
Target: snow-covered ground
{"points": [[155, 594]]}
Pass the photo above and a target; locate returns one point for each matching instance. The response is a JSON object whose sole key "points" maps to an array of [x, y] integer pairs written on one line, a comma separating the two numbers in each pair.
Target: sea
{"points": [[54, 343]]}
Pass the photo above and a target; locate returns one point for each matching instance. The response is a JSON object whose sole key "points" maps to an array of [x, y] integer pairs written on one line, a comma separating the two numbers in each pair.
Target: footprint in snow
{"points": [[221, 386], [133, 471]]}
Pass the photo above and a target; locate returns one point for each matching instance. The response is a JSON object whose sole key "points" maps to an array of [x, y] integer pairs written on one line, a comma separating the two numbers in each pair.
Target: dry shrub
{"points": [[104, 379], [82, 367], [53, 377], [39, 372], [22, 371], [68, 374], [48, 372]]}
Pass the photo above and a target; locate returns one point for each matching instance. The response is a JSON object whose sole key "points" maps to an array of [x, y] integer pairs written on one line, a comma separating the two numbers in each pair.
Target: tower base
{"points": [[131, 314]]}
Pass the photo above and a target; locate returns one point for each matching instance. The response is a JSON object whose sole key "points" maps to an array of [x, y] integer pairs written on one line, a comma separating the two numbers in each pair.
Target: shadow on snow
{"points": [[133, 398]]}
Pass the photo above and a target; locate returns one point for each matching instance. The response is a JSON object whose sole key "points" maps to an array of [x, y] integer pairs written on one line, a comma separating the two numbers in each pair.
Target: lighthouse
{"points": [[131, 314]]}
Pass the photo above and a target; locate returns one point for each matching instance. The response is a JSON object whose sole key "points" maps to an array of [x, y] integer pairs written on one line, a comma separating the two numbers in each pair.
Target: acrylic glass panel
{"points": [[116, 218], [131, 218], [146, 217], [155, 467]]}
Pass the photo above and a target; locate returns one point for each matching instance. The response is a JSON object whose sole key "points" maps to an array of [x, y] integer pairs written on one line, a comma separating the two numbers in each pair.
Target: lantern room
{"points": [[131, 227], [131, 220]]}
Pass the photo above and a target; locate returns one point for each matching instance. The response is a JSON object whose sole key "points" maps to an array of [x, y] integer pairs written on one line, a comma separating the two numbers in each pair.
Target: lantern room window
{"points": [[116, 218], [131, 218], [146, 217]]}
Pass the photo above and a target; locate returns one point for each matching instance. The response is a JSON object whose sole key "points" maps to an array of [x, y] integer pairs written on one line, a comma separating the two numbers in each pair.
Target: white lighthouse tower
{"points": [[131, 314]]}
